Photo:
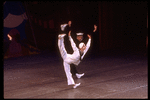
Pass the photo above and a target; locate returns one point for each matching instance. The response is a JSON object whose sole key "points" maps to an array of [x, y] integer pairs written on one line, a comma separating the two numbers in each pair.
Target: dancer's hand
{"points": [[69, 23], [89, 36], [69, 34], [95, 28], [10, 38]]}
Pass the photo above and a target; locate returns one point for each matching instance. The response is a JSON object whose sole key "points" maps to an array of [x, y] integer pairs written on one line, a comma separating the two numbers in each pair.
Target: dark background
{"points": [[122, 26]]}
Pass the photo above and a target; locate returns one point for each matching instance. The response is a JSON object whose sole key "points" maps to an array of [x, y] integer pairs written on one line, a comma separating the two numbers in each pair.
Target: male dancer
{"points": [[79, 39], [65, 28], [75, 58]]}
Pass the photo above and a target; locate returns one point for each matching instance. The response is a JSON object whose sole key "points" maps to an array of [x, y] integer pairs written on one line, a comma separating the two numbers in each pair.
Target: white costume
{"points": [[71, 58], [62, 26]]}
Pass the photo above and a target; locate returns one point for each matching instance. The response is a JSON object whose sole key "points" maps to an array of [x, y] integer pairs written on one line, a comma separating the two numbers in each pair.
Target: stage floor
{"points": [[42, 76]]}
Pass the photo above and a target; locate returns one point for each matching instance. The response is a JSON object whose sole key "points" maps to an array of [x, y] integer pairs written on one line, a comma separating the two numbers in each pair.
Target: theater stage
{"points": [[106, 76]]}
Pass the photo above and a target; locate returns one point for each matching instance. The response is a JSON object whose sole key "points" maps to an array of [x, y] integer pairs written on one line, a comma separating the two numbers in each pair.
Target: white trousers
{"points": [[66, 65]]}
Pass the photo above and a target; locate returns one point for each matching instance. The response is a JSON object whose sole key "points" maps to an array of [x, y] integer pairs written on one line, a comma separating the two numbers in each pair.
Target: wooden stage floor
{"points": [[106, 76]]}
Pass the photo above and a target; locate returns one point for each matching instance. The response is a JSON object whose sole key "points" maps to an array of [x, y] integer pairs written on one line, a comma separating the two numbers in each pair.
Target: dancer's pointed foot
{"points": [[79, 75], [76, 85]]}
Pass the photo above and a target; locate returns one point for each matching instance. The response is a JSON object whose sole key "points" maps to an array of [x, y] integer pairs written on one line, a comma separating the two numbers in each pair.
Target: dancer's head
{"points": [[82, 47], [79, 36]]}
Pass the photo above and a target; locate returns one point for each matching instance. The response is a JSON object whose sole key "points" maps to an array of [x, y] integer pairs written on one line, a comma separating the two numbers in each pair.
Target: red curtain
{"points": [[45, 24], [110, 25], [40, 22], [51, 24]]}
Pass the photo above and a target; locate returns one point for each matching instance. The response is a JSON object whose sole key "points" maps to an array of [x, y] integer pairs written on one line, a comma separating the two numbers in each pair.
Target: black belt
{"points": [[80, 55]]}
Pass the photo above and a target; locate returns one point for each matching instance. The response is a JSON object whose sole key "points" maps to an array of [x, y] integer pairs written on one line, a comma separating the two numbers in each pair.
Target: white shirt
{"points": [[75, 57]]}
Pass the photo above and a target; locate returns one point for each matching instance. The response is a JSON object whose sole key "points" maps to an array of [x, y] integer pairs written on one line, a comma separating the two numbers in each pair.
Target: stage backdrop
{"points": [[110, 25], [122, 24], [14, 16]]}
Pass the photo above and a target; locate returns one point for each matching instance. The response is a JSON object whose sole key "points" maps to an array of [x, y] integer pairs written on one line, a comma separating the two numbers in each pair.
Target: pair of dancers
{"points": [[77, 55]]}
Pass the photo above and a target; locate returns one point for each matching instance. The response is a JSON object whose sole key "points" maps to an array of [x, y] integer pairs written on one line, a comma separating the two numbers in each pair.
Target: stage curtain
{"points": [[110, 25]]}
